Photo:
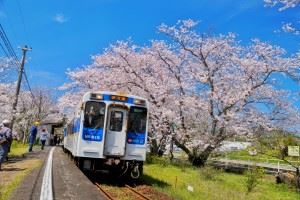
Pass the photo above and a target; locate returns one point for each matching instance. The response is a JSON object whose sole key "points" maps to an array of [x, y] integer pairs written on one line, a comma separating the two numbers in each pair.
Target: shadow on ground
{"points": [[10, 169]]}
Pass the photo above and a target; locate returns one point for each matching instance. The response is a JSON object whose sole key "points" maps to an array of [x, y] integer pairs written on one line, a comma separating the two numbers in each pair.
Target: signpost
{"points": [[293, 151]]}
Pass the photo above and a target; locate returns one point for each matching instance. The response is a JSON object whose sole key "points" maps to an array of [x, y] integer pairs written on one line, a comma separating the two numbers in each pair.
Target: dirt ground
{"points": [[152, 193], [15, 170]]}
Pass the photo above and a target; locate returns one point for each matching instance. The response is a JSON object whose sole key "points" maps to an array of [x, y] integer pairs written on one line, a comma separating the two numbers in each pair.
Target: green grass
{"points": [[18, 149], [244, 155], [174, 181]]}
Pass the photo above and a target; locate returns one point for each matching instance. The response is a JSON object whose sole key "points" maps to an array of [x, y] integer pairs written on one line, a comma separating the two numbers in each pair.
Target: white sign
{"points": [[293, 150]]}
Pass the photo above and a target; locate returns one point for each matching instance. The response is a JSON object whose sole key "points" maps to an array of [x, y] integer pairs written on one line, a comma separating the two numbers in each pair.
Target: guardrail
{"points": [[264, 160], [241, 165]]}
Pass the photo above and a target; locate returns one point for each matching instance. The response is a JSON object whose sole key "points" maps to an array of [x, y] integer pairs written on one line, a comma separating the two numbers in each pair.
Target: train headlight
{"points": [[97, 96], [140, 102]]}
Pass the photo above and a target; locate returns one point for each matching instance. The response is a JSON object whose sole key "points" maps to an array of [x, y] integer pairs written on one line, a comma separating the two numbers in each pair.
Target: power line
{"points": [[3, 49], [29, 88], [9, 47], [7, 42], [8, 51], [11, 53]]}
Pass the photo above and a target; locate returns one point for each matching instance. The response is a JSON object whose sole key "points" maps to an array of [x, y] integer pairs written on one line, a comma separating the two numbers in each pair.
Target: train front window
{"points": [[116, 121], [137, 120], [94, 114]]}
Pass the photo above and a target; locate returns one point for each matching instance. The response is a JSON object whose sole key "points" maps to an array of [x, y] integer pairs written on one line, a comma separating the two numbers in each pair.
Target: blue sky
{"points": [[65, 34]]}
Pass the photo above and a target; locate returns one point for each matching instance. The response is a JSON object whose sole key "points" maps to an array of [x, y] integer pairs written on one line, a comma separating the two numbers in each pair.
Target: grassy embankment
{"points": [[174, 180], [17, 170], [18, 149]]}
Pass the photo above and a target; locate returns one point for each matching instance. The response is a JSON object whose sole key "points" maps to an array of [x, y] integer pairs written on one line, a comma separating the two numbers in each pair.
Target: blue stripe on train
{"points": [[136, 138]]}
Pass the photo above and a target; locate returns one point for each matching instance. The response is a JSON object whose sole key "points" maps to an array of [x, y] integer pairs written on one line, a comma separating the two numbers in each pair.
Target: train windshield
{"points": [[94, 114], [137, 120]]}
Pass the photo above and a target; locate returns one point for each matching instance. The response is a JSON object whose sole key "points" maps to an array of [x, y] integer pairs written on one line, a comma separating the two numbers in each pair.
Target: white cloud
{"points": [[60, 18]]}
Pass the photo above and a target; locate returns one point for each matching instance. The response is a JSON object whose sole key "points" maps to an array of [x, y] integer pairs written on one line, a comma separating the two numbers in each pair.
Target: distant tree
{"points": [[29, 109], [275, 145], [34, 108], [202, 89]]}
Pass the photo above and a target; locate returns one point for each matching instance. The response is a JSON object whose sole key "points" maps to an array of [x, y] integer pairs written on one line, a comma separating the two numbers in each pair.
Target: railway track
{"points": [[136, 194]]}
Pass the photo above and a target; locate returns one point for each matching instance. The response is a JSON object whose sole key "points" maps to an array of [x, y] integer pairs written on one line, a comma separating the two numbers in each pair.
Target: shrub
{"points": [[153, 159], [254, 174], [210, 173]]}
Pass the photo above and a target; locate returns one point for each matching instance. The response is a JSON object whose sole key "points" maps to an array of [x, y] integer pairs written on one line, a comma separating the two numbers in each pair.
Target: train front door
{"points": [[115, 137]]}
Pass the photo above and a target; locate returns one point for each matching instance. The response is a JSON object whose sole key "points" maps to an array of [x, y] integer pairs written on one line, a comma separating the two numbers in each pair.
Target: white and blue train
{"points": [[109, 132]]}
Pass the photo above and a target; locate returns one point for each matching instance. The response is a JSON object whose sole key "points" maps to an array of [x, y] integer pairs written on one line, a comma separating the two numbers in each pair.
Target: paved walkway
{"points": [[67, 181]]}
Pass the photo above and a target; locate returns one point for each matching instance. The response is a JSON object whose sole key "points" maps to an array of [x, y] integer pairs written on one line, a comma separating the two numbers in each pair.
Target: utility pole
{"points": [[21, 70]]}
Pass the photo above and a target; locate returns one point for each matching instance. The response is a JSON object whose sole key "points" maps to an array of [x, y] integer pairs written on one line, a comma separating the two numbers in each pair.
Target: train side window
{"points": [[94, 114], [116, 121], [70, 127], [137, 120]]}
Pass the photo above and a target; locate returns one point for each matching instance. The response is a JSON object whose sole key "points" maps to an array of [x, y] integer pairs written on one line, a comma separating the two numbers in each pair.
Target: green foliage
{"points": [[210, 173], [254, 176], [276, 143]]}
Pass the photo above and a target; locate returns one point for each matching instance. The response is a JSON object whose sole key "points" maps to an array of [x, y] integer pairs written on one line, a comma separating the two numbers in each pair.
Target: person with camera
{"points": [[5, 140]]}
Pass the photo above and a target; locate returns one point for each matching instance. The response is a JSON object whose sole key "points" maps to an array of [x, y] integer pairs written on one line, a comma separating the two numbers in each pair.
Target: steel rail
{"points": [[108, 196], [137, 193]]}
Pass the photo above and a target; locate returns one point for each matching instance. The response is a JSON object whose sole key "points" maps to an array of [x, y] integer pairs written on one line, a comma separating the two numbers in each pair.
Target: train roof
{"points": [[86, 95]]}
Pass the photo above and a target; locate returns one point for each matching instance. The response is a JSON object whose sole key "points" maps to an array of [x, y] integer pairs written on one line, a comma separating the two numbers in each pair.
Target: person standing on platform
{"points": [[5, 137], [43, 137], [55, 140], [6, 124], [32, 135], [58, 140]]}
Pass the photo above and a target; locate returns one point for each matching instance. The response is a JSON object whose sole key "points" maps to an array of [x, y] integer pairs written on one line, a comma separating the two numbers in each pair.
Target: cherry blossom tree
{"points": [[34, 108], [6, 86], [238, 84], [202, 89], [284, 4], [30, 108]]}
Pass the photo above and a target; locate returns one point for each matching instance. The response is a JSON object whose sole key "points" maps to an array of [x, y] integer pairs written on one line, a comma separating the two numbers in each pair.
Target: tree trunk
{"points": [[298, 179], [200, 159], [155, 148], [171, 155], [195, 157]]}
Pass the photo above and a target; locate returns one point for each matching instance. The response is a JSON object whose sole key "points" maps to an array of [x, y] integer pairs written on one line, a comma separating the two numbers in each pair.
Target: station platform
{"points": [[63, 182]]}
